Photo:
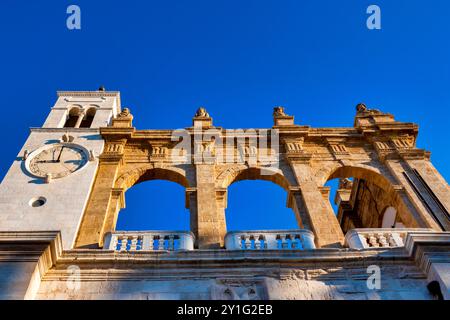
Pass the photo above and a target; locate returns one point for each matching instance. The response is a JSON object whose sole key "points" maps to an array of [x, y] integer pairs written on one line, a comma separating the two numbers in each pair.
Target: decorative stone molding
{"points": [[238, 289], [280, 118]]}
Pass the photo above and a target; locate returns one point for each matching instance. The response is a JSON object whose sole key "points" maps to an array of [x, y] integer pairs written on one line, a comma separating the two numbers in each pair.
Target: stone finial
{"points": [[201, 112], [123, 119], [202, 118], [279, 112], [361, 107], [280, 118], [124, 114], [102, 88]]}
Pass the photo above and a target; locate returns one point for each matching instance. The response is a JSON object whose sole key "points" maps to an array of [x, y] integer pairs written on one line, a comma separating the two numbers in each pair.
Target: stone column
{"points": [[79, 120], [210, 232], [100, 208], [318, 214]]}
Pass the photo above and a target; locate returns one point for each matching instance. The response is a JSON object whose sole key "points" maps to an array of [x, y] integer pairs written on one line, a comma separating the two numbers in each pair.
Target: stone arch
{"points": [[243, 172], [136, 175], [151, 172], [73, 112], [406, 212]]}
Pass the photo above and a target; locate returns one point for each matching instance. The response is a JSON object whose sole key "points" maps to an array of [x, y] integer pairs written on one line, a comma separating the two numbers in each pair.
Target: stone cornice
{"points": [[63, 130], [88, 93], [20, 245]]}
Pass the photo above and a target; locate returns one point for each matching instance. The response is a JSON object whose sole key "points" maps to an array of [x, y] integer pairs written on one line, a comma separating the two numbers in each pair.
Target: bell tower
{"points": [[48, 184]]}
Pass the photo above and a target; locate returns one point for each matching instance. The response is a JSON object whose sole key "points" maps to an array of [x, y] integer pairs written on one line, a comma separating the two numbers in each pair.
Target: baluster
{"points": [[133, 243], [373, 242], [123, 243], [243, 242], [289, 242], [279, 242], [252, 245], [382, 240], [262, 243]]}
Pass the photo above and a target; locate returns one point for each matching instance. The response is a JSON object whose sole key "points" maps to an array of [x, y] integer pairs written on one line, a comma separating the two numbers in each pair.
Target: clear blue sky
{"points": [[237, 58]]}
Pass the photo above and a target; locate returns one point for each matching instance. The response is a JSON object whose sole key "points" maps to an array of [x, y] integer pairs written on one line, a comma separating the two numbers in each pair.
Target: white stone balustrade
{"points": [[270, 240], [364, 238], [149, 240]]}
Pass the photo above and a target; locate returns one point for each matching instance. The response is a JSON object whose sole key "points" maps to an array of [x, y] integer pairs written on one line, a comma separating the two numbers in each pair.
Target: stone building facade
{"points": [[60, 200]]}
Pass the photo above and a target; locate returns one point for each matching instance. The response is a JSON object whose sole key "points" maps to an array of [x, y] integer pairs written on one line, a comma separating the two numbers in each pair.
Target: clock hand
{"points": [[59, 157]]}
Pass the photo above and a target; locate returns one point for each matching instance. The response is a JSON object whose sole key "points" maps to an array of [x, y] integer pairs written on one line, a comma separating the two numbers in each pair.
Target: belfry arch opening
{"points": [[363, 198], [72, 117], [88, 118]]}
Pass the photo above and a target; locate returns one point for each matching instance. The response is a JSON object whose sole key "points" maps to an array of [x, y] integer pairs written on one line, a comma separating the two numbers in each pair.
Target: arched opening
{"points": [[258, 205], [363, 198], [154, 216], [154, 205], [257, 215], [88, 118], [72, 117]]}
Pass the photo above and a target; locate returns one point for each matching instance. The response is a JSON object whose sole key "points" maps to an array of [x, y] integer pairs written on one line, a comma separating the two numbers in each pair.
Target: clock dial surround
{"points": [[57, 160]]}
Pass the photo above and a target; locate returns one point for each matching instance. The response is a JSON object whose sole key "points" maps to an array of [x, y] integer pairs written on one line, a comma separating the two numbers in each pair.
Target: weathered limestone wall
{"points": [[397, 283]]}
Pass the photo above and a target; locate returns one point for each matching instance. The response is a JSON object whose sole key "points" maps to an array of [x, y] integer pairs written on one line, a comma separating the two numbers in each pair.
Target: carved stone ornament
{"points": [[279, 112], [67, 138], [361, 107], [125, 113], [201, 112]]}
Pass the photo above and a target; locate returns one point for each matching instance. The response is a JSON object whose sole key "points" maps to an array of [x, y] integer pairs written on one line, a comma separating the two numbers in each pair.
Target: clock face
{"points": [[58, 160]]}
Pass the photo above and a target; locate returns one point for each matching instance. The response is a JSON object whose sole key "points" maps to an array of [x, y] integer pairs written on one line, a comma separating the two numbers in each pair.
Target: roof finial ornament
{"points": [[125, 113], [279, 111], [361, 107], [102, 88], [201, 112]]}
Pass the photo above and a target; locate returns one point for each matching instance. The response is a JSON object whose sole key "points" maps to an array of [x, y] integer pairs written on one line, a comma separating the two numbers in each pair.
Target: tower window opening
{"points": [[72, 118], [88, 118]]}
